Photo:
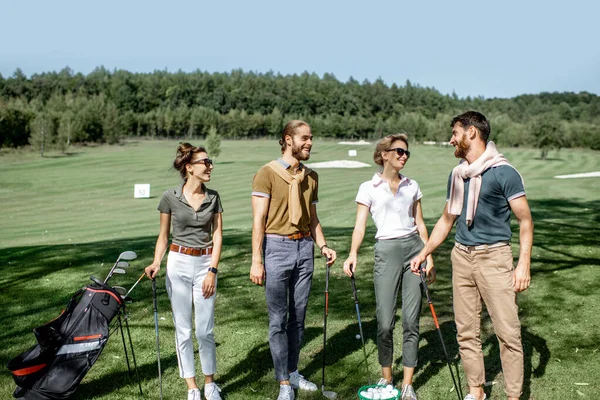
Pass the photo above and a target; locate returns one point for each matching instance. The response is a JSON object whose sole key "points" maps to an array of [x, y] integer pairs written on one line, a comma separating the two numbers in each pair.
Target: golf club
{"points": [[439, 331], [126, 255], [135, 284], [362, 337], [156, 331], [122, 264], [119, 271], [120, 289], [327, 393]]}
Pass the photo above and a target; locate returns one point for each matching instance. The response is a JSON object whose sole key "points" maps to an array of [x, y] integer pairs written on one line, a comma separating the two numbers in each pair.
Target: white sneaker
{"points": [[384, 382], [212, 391], [471, 397], [298, 382], [194, 394], [286, 392]]}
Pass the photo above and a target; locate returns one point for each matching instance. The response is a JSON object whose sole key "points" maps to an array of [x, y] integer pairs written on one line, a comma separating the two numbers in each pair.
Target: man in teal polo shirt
{"points": [[482, 191]]}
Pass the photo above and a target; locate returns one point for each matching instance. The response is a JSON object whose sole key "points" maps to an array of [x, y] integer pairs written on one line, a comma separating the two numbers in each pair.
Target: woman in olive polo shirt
{"points": [[194, 212]]}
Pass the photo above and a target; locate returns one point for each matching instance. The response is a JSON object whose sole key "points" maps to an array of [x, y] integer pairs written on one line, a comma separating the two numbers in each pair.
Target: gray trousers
{"points": [[390, 274], [289, 267]]}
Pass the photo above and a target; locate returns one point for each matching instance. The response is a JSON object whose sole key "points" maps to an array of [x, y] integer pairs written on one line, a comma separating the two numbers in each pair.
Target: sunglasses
{"points": [[400, 151], [205, 161]]}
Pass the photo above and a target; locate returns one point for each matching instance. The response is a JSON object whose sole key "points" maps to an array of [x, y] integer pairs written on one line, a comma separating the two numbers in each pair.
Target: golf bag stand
{"points": [[70, 344]]}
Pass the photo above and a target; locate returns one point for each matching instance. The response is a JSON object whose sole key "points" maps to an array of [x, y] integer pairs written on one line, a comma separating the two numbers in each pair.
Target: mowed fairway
{"points": [[65, 218]]}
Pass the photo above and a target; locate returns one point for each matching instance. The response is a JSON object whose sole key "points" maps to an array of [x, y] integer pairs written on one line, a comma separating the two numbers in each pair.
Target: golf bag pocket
{"points": [[70, 366], [28, 367]]}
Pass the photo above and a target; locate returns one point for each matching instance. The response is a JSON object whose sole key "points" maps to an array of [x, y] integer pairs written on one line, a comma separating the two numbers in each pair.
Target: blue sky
{"points": [[474, 48]]}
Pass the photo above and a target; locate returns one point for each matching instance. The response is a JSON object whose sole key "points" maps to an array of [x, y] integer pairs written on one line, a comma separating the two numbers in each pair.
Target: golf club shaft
{"points": [[325, 324], [439, 331], [156, 332], [135, 284], [362, 336], [111, 271]]}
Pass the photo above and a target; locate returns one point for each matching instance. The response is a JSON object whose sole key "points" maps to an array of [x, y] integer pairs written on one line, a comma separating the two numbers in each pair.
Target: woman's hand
{"points": [[152, 270], [350, 265], [209, 285]]}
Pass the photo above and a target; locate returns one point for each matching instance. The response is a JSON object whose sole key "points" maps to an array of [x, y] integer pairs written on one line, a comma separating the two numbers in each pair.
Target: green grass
{"points": [[65, 218]]}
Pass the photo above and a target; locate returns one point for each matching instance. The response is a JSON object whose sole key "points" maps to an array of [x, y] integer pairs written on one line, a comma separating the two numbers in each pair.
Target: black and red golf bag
{"points": [[67, 346]]}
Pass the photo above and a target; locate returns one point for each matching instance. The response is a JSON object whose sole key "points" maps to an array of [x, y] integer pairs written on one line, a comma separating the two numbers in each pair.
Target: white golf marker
{"points": [[141, 191]]}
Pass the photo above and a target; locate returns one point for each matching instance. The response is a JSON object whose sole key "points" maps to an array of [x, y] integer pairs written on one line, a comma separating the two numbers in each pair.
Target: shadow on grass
{"points": [[532, 344], [566, 236]]}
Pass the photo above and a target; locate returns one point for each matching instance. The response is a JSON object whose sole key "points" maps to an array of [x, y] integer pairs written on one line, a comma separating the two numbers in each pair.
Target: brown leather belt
{"points": [[468, 249], [190, 251], [293, 236]]}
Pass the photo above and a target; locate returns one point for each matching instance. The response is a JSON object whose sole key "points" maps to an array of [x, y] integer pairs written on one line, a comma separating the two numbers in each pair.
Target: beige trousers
{"points": [[486, 275]]}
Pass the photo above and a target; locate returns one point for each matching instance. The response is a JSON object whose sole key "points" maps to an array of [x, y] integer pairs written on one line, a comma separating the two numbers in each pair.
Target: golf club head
{"points": [[120, 289], [127, 255], [119, 271], [327, 393], [127, 299], [122, 264]]}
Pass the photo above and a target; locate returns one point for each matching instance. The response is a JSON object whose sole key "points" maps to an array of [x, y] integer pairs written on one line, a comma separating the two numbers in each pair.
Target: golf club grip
{"points": [[354, 288], [154, 294]]}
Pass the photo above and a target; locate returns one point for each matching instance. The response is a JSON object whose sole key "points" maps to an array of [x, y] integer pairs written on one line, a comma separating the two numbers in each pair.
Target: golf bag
{"points": [[67, 346]]}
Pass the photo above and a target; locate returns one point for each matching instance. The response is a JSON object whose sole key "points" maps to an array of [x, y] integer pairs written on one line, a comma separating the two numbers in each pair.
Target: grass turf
{"points": [[65, 218]]}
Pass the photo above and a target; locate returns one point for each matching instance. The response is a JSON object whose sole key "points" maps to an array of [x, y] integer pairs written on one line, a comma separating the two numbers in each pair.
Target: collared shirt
{"points": [[393, 213], [191, 228], [267, 183]]}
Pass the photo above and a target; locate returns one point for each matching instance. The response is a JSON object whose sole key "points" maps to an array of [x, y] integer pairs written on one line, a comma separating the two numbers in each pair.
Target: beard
{"points": [[298, 154], [461, 149]]}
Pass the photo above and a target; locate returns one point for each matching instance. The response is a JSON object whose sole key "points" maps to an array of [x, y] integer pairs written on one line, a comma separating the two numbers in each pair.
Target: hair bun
{"points": [[184, 148]]}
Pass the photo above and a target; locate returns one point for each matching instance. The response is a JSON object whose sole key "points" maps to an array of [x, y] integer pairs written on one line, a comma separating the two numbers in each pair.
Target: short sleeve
{"points": [[418, 193], [510, 181], [218, 206], [448, 187], [363, 196], [164, 206], [315, 194], [261, 184]]}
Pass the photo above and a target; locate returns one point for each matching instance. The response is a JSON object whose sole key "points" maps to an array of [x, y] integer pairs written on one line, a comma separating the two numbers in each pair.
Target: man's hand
{"points": [[521, 277], [329, 254], [415, 263], [350, 265], [257, 273]]}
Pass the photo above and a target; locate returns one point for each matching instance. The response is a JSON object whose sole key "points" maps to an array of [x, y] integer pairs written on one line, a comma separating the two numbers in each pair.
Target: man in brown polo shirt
{"points": [[285, 228]]}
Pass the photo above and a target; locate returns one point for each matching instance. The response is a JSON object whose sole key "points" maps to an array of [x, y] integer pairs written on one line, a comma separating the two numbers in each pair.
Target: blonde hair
{"points": [[290, 130], [385, 143]]}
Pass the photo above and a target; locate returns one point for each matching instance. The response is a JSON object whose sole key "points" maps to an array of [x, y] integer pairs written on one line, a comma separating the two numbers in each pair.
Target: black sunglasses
{"points": [[400, 151], [205, 161]]}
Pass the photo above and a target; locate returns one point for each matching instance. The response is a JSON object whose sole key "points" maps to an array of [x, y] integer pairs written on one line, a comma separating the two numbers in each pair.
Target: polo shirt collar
{"points": [[286, 165], [179, 193], [378, 179]]}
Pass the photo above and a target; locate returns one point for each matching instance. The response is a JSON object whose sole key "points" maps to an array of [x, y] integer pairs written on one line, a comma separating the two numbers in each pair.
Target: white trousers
{"points": [[185, 275]]}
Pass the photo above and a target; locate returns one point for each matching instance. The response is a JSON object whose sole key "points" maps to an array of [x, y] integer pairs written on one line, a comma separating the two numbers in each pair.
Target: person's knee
{"points": [[205, 336]]}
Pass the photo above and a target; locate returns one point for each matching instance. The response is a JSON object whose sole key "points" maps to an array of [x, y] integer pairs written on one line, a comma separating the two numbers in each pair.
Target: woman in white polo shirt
{"points": [[194, 213], [394, 202]]}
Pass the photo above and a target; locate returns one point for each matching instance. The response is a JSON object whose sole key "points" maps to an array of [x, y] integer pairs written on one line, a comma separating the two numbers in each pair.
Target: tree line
{"points": [[58, 109]]}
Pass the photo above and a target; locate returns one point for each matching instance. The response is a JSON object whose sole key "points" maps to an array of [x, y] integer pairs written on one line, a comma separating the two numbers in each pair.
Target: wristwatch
{"points": [[213, 270]]}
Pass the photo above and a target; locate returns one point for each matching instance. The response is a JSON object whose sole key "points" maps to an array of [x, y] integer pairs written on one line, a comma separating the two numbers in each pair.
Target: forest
{"points": [[54, 110]]}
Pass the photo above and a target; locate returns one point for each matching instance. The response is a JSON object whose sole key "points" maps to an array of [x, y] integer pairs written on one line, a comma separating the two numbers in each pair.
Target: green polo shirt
{"points": [[191, 228]]}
